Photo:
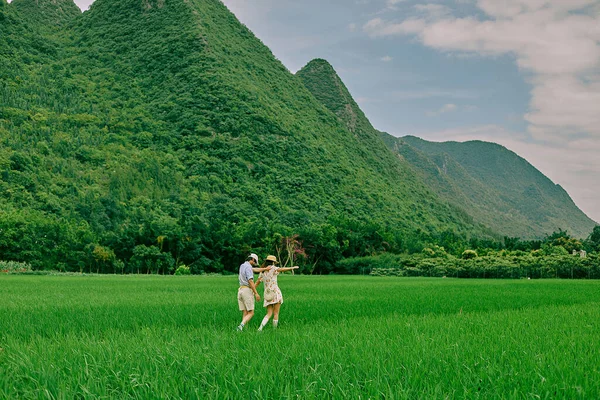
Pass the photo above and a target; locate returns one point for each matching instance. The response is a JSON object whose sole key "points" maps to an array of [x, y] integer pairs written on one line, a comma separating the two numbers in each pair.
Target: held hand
{"points": [[257, 296]]}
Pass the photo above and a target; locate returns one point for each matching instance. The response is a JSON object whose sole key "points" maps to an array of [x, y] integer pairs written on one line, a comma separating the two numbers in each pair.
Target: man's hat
{"points": [[254, 256]]}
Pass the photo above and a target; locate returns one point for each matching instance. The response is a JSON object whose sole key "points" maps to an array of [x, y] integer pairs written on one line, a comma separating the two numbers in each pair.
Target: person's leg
{"points": [[276, 308], [244, 316], [244, 312], [267, 317], [242, 308], [246, 300], [247, 317]]}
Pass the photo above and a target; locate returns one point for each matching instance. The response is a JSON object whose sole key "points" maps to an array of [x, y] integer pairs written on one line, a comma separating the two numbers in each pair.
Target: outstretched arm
{"points": [[287, 269], [258, 270]]}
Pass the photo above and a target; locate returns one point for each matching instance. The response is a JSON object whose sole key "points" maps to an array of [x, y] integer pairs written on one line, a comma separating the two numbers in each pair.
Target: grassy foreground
{"points": [[64, 337]]}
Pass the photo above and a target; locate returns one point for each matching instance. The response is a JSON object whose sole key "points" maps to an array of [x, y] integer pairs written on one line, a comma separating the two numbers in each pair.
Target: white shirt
{"points": [[246, 273]]}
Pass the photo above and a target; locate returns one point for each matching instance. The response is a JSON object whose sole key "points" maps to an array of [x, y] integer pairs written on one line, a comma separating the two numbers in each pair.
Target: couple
{"points": [[247, 291]]}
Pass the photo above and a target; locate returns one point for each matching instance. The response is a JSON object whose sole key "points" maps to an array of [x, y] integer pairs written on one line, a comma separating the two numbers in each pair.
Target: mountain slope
{"points": [[322, 81], [492, 185], [47, 13], [166, 124], [523, 193]]}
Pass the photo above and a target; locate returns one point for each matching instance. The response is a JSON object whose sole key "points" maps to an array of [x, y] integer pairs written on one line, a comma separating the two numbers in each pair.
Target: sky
{"points": [[521, 73]]}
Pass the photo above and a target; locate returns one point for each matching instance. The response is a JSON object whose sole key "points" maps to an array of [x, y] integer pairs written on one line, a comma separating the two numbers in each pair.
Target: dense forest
{"points": [[140, 136]]}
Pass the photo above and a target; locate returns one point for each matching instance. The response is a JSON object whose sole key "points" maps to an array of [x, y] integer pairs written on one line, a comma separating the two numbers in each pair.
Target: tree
{"points": [[594, 238], [152, 260], [103, 258], [289, 251]]}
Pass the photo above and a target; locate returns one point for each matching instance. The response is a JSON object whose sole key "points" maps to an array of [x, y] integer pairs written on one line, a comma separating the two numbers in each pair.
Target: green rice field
{"points": [[146, 337]]}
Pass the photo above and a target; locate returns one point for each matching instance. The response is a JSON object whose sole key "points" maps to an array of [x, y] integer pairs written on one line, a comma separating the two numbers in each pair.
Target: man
{"points": [[247, 291]]}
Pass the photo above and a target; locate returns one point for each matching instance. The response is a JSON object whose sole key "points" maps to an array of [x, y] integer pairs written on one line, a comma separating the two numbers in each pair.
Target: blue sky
{"points": [[521, 73]]}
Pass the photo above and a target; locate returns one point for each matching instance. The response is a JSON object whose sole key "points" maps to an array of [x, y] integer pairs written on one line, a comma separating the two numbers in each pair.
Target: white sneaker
{"points": [[240, 328]]}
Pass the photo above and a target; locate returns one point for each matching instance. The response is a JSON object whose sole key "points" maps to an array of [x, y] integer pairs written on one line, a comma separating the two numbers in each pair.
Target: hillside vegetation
{"points": [[141, 135]]}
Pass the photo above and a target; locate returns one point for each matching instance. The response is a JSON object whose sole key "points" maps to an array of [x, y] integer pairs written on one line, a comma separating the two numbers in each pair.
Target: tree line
{"points": [[340, 246]]}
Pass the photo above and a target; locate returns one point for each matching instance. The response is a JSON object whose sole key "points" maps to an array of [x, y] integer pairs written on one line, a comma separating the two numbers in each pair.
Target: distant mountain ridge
{"points": [[491, 184], [525, 200]]}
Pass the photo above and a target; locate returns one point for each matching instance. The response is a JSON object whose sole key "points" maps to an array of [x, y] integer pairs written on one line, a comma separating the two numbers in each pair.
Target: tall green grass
{"points": [[356, 337]]}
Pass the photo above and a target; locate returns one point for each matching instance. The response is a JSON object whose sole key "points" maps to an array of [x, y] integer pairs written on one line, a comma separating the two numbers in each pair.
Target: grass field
{"points": [[66, 337]]}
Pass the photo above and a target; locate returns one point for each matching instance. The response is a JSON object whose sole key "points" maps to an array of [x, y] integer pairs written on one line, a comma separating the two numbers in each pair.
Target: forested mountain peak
{"points": [[322, 67], [319, 63], [322, 80], [47, 12], [417, 141]]}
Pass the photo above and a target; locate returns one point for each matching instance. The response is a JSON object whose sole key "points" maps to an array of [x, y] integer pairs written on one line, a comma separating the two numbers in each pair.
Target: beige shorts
{"points": [[246, 299]]}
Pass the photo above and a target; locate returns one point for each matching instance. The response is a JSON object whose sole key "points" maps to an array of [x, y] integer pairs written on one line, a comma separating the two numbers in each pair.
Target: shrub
{"points": [[387, 272], [469, 254], [435, 252], [364, 265], [183, 270], [502, 265], [12, 267]]}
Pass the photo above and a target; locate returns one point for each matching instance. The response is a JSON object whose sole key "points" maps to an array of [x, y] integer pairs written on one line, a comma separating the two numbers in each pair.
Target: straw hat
{"points": [[272, 258]]}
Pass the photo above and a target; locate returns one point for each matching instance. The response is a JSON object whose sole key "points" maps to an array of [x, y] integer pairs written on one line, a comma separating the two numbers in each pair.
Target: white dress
{"points": [[269, 278]]}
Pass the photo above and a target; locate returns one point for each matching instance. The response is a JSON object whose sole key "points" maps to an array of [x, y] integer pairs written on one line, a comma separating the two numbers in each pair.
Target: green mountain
{"points": [[143, 134], [525, 201], [491, 184]]}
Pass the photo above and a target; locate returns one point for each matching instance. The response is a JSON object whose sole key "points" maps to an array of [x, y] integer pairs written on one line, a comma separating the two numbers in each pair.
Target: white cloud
{"points": [[386, 59], [565, 105], [557, 42], [446, 108], [512, 8], [378, 27]]}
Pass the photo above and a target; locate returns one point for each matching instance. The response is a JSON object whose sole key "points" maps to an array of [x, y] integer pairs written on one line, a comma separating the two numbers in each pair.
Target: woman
{"points": [[272, 294]]}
